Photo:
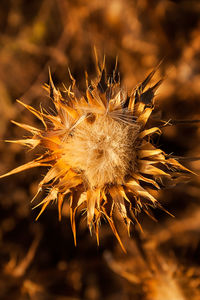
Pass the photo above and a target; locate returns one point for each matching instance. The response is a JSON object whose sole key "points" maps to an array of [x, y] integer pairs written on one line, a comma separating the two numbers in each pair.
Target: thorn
{"points": [[72, 78], [38, 191]]}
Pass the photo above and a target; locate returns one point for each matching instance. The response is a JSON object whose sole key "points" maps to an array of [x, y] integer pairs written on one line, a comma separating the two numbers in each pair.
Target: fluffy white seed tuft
{"points": [[102, 149]]}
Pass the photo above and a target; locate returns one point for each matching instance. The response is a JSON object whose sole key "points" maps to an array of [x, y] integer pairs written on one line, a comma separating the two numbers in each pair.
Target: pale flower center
{"points": [[103, 150]]}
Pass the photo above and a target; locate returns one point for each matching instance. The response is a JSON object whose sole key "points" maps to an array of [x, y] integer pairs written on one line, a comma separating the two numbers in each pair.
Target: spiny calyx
{"points": [[99, 152]]}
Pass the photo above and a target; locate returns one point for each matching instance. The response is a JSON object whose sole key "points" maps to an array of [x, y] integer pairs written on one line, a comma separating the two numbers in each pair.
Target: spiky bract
{"points": [[99, 150]]}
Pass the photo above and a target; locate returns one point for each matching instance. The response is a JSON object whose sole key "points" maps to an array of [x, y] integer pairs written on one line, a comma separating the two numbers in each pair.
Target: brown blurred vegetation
{"points": [[38, 259]]}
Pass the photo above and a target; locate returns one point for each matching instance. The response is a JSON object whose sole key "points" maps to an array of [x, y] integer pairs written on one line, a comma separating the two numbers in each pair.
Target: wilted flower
{"points": [[99, 150]]}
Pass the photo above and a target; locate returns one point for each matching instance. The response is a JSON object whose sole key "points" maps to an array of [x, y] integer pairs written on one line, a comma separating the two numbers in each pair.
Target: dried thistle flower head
{"points": [[99, 150]]}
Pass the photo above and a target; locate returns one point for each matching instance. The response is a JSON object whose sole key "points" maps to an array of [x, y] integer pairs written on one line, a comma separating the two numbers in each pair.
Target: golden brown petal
{"points": [[29, 165], [136, 188]]}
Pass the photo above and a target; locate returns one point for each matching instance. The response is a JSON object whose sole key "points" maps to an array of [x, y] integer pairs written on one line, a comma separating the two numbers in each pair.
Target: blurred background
{"points": [[38, 260]]}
